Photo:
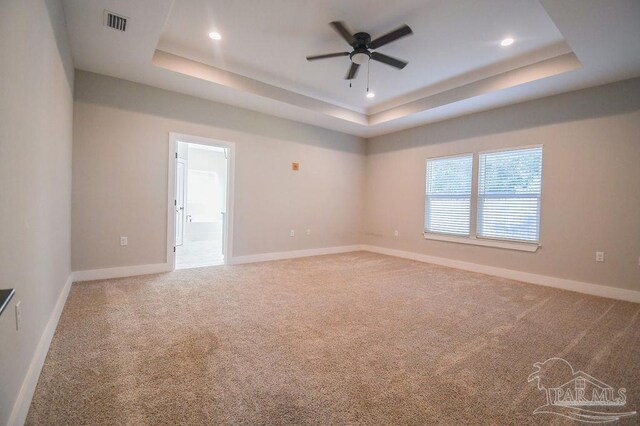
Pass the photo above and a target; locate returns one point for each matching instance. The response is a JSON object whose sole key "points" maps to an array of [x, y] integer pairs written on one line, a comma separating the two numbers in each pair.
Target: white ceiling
{"points": [[269, 40], [456, 65]]}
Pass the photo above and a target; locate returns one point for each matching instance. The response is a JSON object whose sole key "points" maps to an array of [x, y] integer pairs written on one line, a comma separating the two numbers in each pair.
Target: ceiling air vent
{"points": [[117, 22]]}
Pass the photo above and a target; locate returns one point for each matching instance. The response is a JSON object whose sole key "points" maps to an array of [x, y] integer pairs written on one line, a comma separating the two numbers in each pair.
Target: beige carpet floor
{"points": [[355, 338]]}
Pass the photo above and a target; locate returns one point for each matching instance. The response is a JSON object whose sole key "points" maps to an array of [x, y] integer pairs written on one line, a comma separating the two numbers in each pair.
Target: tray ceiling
{"points": [[456, 63]]}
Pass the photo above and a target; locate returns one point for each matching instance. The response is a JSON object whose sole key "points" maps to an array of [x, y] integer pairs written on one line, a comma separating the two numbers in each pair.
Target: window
{"points": [[448, 195], [509, 187]]}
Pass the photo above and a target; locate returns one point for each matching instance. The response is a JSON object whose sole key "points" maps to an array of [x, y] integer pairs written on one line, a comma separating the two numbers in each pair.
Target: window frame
{"points": [[471, 196], [539, 221], [473, 238]]}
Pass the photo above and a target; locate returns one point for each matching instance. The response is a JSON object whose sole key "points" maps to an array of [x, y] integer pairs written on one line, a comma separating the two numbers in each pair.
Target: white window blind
{"points": [[448, 195], [509, 188]]}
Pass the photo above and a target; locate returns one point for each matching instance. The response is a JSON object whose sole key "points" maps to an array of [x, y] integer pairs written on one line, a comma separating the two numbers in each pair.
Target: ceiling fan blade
{"points": [[328, 55], [389, 37], [352, 71], [343, 31], [388, 60]]}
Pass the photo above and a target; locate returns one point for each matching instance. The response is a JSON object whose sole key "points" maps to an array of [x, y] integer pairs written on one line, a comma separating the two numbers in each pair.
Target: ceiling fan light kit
{"points": [[359, 58], [362, 46]]}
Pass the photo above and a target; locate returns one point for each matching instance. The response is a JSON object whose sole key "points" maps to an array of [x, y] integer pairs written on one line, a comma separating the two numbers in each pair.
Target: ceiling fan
{"points": [[362, 46]]}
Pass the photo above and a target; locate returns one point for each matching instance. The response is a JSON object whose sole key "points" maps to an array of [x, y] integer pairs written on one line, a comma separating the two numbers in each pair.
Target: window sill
{"points": [[508, 245]]}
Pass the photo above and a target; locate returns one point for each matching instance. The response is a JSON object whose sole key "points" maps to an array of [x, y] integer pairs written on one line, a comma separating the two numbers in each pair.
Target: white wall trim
{"points": [[265, 257], [130, 271], [120, 272], [485, 242], [23, 402], [561, 283], [548, 281]]}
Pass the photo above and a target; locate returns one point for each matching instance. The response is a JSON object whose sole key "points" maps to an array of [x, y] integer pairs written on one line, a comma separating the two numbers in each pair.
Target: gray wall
{"points": [[120, 155], [36, 107], [590, 196], [591, 183]]}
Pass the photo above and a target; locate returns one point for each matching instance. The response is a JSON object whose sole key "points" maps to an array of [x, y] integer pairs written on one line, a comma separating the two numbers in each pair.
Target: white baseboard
{"points": [[23, 402], [120, 272], [561, 283], [130, 271], [265, 257]]}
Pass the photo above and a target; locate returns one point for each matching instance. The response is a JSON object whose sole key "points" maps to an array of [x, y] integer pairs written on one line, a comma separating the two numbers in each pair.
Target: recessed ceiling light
{"points": [[506, 42], [214, 35], [370, 95]]}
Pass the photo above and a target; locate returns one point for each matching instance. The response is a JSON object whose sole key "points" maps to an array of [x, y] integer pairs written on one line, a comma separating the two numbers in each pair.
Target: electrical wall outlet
{"points": [[292, 233], [308, 231], [123, 241], [396, 233], [18, 315], [599, 256]]}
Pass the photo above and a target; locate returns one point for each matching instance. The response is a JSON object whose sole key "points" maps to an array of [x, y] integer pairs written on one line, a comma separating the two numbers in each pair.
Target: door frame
{"points": [[171, 193], [183, 202]]}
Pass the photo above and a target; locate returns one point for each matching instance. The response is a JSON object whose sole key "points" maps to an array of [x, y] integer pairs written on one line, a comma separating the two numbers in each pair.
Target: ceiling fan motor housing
{"points": [[361, 40], [360, 54]]}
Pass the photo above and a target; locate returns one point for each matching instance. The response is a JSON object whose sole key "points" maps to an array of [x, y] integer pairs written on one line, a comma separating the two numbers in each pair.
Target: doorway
{"points": [[200, 170]]}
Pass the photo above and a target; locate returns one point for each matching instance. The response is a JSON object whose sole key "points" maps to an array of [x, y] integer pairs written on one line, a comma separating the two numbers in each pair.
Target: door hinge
{"points": [[176, 155], [174, 249], [175, 202]]}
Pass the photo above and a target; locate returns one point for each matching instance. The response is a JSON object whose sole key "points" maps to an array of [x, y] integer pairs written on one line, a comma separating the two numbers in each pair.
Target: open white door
{"points": [[181, 172], [200, 195]]}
